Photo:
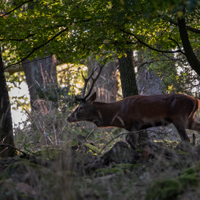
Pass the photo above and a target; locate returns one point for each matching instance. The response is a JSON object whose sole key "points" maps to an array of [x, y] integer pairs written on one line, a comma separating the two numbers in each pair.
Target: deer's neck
{"points": [[109, 114]]}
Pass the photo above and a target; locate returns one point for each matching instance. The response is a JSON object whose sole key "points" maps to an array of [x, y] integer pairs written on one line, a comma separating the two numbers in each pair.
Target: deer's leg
{"points": [[193, 125], [132, 136], [181, 130]]}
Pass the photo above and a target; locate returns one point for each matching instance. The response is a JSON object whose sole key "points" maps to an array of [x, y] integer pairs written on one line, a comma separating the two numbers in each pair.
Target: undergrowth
{"points": [[59, 171]]}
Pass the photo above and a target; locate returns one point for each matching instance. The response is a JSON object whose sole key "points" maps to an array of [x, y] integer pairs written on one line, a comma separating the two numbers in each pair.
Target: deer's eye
{"points": [[80, 108]]}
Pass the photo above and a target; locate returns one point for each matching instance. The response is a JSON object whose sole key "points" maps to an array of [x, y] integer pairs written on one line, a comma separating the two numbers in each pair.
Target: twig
{"points": [[193, 139], [88, 135], [3, 150], [111, 141], [9, 145]]}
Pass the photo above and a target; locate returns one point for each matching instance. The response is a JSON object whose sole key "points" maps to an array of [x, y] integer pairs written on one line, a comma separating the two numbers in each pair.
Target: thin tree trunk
{"points": [[106, 85], [6, 131], [148, 82]]}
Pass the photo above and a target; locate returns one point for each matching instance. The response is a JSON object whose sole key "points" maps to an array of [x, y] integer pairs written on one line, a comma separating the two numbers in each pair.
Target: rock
{"points": [[120, 153]]}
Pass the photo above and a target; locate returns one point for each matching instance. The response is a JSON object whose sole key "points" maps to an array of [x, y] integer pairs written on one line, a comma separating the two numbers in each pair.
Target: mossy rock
{"points": [[172, 188], [166, 143]]}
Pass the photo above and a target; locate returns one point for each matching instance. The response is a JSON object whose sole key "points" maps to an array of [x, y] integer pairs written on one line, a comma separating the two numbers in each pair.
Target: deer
{"points": [[138, 112]]}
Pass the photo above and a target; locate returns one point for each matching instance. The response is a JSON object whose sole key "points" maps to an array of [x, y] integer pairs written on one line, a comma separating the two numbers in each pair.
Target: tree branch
{"points": [[157, 61], [175, 42], [33, 34], [9, 145], [7, 13], [150, 47], [36, 48], [189, 53], [17, 40], [194, 30]]}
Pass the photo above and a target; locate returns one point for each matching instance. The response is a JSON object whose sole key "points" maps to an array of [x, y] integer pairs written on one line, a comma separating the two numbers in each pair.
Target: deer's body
{"points": [[139, 112]]}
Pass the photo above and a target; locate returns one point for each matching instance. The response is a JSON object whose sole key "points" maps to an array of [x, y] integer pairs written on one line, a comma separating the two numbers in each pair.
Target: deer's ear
{"points": [[92, 98]]}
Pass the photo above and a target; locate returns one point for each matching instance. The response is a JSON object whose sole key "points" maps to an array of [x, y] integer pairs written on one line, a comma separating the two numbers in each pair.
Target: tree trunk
{"points": [[127, 74], [129, 87], [39, 73], [6, 131], [189, 53], [148, 82]]}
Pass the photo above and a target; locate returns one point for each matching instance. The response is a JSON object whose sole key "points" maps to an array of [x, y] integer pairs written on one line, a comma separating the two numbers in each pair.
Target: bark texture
{"points": [[189, 53], [6, 131], [127, 74], [39, 73]]}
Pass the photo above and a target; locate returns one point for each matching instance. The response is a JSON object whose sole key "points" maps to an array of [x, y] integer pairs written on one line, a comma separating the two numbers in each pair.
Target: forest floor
{"points": [[157, 170]]}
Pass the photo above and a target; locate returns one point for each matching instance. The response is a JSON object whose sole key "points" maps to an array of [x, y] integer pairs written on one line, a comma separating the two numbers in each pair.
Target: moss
{"points": [[107, 171], [119, 169], [189, 179], [127, 166], [26, 163], [21, 167], [191, 170], [92, 147], [172, 188], [48, 153], [182, 152], [164, 190], [190, 176]]}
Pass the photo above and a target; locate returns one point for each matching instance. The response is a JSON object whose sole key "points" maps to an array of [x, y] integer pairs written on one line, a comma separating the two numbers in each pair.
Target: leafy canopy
{"points": [[75, 29]]}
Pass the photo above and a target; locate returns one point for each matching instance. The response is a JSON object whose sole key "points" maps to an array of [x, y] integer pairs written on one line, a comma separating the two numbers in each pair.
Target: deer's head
{"points": [[86, 111]]}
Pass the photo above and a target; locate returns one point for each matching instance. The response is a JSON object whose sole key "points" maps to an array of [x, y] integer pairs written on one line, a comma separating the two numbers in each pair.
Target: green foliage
{"points": [[107, 171], [164, 189], [75, 29]]}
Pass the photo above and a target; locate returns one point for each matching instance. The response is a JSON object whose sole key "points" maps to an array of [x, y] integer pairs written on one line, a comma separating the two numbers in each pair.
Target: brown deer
{"points": [[139, 112]]}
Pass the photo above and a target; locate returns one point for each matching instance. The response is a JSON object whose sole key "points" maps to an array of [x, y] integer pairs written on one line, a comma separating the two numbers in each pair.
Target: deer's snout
{"points": [[72, 118], [68, 119]]}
